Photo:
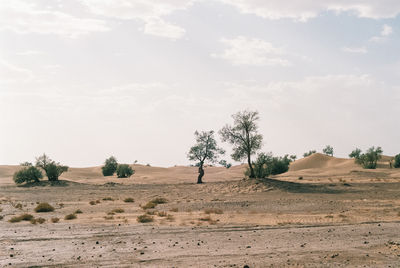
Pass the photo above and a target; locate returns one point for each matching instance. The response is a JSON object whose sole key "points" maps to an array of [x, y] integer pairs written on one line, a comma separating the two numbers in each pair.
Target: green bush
{"points": [[369, 159], [355, 153], [309, 153], [110, 166], [396, 163], [27, 174], [266, 165], [328, 150], [53, 169], [124, 171], [44, 207]]}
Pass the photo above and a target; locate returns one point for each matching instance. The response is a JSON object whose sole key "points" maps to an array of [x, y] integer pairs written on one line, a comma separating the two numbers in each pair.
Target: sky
{"points": [[81, 80]]}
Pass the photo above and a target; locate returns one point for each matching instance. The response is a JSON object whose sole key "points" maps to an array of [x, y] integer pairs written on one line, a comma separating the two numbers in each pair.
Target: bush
{"points": [[266, 165], [328, 150], [27, 174], [70, 217], [118, 210], [52, 169], [369, 159], [145, 218], [78, 211], [110, 166], [23, 217], [213, 211], [309, 153], [44, 207], [396, 163], [159, 200], [55, 220], [124, 171], [149, 205], [355, 153], [129, 200]]}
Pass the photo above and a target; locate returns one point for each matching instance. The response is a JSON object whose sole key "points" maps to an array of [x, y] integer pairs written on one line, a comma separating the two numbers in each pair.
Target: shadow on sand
{"points": [[295, 187], [60, 183]]}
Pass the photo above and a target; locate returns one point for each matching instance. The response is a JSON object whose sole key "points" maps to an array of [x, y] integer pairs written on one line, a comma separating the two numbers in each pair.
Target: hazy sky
{"points": [[85, 79]]}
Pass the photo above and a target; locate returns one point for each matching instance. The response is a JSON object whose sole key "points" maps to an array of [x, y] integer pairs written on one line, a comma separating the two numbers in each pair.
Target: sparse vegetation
{"points": [[28, 174], [244, 137], [38, 220], [108, 199], [149, 205], [23, 217], [213, 211], [369, 159], [44, 207], [205, 150], [92, 203], [225, 164], [52, 169], [328, 150], [266, 164], [129, 200], [396, 163], [124, 171], [309, 153], [174, 209], [118, 210], [110, 166], [162, 214], [78, 211], [145, 218], [55, 220], [110, 217], [70, 216], [1, 217], [159, 200]]}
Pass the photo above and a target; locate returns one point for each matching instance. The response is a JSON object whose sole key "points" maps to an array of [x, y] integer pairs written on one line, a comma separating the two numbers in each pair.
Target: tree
{"points": [[328, 150], [28, 174], [309, 153], [225, 164], [110, 166], [396, 163], [124, 171], [369, 159], [266, 164], [293, 157], [205, 150], [355, 153], [244, 137], [52, 169]]}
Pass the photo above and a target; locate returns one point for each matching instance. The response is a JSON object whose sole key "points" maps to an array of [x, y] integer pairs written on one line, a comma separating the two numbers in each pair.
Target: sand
{"points": [[336, 215]]}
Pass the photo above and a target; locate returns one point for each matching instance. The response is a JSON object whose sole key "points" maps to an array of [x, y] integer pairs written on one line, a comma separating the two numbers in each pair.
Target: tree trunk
{"points": [[251, 167], [201, 173]]}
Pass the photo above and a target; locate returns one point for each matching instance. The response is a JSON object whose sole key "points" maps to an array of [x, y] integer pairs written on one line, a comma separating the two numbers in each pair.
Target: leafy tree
{"points": [[309, 153], [244, 137], [328, 150], [266, 164], [369, 159], [52, 169], [124, 171], [28, 174], [396, 163], [225, 164], [110, 166], [355, 153], [205, 150], [293, 157]]}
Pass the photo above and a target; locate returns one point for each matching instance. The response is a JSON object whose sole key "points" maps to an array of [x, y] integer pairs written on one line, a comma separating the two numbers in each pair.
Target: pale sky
{"points": [[85, 79]]}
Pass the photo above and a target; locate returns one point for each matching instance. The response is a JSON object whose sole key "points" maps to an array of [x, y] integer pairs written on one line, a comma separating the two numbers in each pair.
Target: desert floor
{"points": [[324, 212]]}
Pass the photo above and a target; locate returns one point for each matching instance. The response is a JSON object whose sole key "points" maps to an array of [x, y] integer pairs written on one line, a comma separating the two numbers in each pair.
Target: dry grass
{"points": [[55, 220], [175, 209], [38, 220], [1, 210], [149, 205], [118, 210], [18, 206], [70, 217], [109, 217], [159, 200], [145, 218], [23, 217], [108, 199], [207, 218], [151, 212], [129, 200], [1, 217], [213, 211], [78, 211], [162, 214], [44, 207], [92, 203]]}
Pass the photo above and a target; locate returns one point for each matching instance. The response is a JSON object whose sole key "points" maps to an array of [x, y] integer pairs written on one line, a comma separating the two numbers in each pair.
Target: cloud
{"points": [[24, 17], [360, 50], [386, 31], [242, 50], [11, 74], [151, 13], [303, 10]]}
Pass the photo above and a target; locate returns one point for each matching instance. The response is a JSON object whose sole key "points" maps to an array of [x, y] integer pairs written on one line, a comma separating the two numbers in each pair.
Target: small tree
{"points": [[225, 164], [396, 163], [244, 137], [369, 159], [293, 157], [110, 166], [355, 153], [205, 150], [124, 171], [52, 169], [28, 174], [309, 153], [328, 150]]}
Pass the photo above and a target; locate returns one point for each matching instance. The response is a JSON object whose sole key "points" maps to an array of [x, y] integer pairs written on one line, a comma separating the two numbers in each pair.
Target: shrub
{"points": [[110, 166], [78, 211], [396, 163], [149, 205], [55, 220], [213, 211], [129, 200], [108, 199], [266, 165], [225, 164], [159, 200], [27, 174], [328, 150], [124, 171], [174, 209], [118, 210], [309, 153], [23, 217], [44, 207], [162, 214], [1, 217], [70, 217], [145, 218], [52, 169], [38, 220], [369, 159], [355, 153], [92, 203]]}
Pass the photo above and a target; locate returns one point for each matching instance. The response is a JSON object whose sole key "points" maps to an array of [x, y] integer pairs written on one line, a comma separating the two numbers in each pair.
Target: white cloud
{"points": [[303, 10], [360, 50], [251, 51], [10, 73], [151, 13], [386, 30], [24, 17]]}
